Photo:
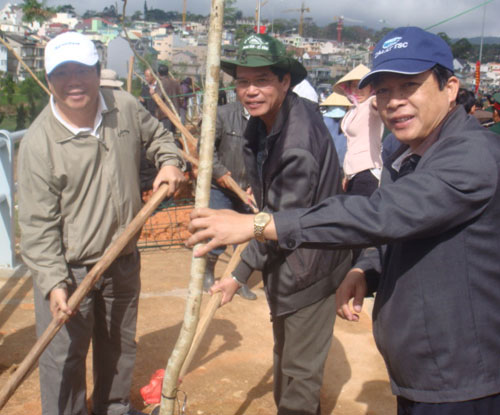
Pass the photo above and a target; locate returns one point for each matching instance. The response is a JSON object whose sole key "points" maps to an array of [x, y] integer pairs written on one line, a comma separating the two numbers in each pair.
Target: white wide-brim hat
{"points": [[110, 78]]}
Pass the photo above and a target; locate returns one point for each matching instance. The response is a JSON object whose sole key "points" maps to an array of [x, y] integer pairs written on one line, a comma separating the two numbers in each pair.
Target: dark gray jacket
{"points": [[437, 309], [230, 124], [300, 169]]}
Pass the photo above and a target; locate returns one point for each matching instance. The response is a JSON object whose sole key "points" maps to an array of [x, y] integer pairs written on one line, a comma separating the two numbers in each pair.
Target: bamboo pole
{"points": [[175, 119], [211, 308], [83, 289], [130, 72], [148, 65], [7, 45], [233, 186], [193, 301]]}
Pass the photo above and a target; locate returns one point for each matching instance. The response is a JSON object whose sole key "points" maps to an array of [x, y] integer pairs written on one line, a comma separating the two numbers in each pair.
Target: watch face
{"points": [[262, 219]]}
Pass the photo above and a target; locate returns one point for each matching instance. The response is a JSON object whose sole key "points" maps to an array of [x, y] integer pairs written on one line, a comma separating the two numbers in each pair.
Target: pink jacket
{"points": [[363, 128]]}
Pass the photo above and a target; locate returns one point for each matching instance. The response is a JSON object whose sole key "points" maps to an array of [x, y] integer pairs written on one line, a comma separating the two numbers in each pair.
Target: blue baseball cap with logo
{"points": [[408, 51]]}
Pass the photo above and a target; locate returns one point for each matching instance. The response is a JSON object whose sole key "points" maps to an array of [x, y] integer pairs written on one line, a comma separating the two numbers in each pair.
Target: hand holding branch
{"points": [[228, 287], [170, 175]]}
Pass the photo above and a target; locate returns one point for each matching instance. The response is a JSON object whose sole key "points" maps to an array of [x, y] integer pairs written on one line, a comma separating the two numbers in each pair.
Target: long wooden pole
{"points": [[7, 45], [148, 65], [209, 312], [193, 301], [174, 118], [83, 289], [130, 73], [233, 186]]}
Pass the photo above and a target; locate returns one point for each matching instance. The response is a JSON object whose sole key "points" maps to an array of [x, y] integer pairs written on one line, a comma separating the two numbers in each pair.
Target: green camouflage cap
{"points": [[263, 50]]}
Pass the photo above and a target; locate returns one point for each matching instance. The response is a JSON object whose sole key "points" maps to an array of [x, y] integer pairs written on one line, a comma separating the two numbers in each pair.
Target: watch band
{"points": [[260, 221]]}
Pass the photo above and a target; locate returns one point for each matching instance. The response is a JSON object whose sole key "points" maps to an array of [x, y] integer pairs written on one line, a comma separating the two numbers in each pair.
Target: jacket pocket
{"points": [[311, 265]]}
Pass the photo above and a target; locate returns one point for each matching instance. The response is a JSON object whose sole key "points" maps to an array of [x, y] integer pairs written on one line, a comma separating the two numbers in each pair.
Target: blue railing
{"points": [[8, 142]]}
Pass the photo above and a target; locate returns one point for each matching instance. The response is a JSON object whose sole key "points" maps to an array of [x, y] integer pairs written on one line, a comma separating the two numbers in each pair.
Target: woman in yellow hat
{"points": [[364, 129]]}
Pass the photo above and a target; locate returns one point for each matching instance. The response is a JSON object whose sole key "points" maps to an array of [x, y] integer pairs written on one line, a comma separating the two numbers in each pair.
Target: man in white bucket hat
{"points": [[78, 189]]}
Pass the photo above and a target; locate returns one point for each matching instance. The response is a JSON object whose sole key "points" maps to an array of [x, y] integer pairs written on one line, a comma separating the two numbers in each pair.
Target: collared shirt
{"points": [[424, 146], [101, 107], [396, 165]]}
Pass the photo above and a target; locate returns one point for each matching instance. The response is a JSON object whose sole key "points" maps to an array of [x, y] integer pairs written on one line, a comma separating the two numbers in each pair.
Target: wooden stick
{"points": [[175, 120], [7, 45], [83, 289], [233, 186], [130, 72], [148, 65], [209, 312]]}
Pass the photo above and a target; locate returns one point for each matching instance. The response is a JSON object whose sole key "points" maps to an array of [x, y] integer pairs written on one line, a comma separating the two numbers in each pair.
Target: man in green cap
{"points": [[496, 113], [291, 163]]}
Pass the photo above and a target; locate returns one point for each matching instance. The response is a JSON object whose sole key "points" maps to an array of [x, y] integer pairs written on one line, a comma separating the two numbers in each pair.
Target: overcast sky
{"points": [[370, 13]]}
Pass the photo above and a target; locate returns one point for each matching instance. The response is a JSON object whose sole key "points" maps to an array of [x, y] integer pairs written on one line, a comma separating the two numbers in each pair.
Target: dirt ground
{"points": [[231, 374]]}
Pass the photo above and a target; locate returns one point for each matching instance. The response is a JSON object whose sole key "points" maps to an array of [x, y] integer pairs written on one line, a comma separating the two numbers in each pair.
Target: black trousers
{"points": [[363, 183], [489, 405]]}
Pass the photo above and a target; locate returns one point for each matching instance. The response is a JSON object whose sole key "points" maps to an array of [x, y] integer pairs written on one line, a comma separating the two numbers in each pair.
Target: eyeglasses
{"points": [[257, 83], [64, 74]]}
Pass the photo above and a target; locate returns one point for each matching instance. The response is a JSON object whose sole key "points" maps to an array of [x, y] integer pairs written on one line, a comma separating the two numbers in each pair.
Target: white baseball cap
{"points": [[70, 47]]}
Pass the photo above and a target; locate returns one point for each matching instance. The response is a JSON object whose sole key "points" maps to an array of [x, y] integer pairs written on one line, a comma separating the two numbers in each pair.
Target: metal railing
{"points": [[8, 142]]}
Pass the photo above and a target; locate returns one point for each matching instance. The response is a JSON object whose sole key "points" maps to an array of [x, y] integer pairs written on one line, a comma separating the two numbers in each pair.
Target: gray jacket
{"points": [[300, 169], [78, 193], [229, 143], [437, 309]]}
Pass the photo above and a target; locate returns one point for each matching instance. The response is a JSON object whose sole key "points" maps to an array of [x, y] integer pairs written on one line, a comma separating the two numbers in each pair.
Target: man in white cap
{"points": [[78, 189]]}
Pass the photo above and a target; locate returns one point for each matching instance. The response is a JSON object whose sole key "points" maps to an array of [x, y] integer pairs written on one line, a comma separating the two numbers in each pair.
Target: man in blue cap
{"points": [[436, 317]]}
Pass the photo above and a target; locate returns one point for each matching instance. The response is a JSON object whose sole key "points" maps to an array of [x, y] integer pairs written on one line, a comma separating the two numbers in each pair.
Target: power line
{"points": [[458, 15]]}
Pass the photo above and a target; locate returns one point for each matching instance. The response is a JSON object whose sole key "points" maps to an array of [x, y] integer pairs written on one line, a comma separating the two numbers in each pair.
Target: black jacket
{"points": [[437, 309], [300, 169]]}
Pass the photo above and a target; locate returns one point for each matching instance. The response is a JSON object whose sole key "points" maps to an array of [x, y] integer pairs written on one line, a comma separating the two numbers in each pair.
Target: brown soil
{"points": [[231, 374]]}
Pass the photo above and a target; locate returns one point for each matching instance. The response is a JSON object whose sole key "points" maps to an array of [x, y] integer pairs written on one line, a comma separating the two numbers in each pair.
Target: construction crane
{"points": [[340, 23], [301, 10]]}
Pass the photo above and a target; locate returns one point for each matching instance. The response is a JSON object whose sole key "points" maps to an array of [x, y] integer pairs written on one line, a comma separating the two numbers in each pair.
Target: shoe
{"points": [[246, 293], [208, 277]]}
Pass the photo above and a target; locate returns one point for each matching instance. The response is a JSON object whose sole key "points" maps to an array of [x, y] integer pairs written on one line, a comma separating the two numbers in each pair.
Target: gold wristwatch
{"points": [[260, 221]]}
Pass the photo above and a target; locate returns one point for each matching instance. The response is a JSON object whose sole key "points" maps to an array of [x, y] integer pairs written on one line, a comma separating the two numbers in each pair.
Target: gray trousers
{"points": [[108, 316], [302, 341]]}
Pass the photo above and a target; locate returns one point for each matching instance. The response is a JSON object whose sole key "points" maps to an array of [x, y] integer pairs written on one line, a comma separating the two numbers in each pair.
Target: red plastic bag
{"points": [[151, 393]]}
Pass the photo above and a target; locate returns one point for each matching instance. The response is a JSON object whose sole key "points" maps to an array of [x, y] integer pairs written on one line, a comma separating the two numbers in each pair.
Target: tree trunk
{"points": [[193, 302]]}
